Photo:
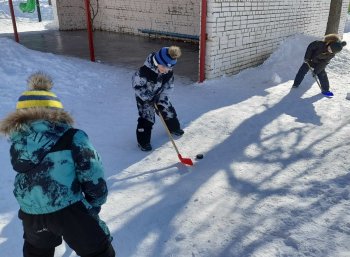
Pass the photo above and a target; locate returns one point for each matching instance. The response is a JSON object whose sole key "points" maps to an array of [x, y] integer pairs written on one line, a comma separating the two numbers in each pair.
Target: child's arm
{"points": [[168, 88], [140, 86], [312, 47], [89, 170]]}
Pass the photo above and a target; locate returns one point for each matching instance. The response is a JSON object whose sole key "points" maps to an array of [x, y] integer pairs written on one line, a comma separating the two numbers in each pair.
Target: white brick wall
{"points": [[70, 14], [343, 17], [128, 16], [243, 33], [175, 16]]}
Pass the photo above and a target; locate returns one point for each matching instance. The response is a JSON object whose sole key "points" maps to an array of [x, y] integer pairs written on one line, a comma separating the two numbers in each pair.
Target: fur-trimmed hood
{"points": [[331, 38], [33, 132], [17, 120]]}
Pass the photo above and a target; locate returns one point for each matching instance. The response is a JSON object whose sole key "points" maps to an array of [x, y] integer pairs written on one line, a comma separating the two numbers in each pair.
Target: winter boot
{"points": [[145, 147], [174, 126], [178, 132], [143, 134], [327, 93]]}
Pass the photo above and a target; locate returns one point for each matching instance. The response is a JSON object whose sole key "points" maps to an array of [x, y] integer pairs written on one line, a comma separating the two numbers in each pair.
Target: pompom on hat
{"points": [[37, 103], [336, 47], [167, 56], [39, 94]]}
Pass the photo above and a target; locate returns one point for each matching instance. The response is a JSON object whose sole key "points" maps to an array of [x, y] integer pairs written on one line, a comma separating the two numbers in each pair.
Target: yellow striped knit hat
{"points": [[39, 94]]}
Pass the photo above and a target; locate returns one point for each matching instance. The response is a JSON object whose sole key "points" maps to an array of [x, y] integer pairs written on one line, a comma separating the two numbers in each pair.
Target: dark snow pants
{"points": [[322, 76], [147, 118], [79, 229]]}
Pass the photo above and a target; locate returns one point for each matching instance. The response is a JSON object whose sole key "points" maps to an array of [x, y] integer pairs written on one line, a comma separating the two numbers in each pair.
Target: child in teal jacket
{"points": [[60, 185]]}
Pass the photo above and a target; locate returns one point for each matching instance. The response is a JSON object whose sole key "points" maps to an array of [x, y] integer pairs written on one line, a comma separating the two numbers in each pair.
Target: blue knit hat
{"points": [[162, 57]]}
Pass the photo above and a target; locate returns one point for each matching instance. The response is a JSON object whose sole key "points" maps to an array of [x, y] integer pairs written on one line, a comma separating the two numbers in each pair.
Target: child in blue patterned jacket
{"points": [[152, 84], [60, 185]]}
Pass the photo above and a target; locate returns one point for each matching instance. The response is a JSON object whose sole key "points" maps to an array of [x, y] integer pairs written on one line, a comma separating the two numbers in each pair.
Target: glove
{"points": [[152, 101], [307, 61], [155, 99]]}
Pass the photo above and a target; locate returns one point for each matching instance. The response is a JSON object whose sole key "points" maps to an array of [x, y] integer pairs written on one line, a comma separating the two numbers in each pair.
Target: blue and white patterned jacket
{"points": [[149, 83]]}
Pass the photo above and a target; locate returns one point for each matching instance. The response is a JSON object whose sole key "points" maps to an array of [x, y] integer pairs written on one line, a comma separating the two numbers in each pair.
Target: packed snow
{"points": [[274, 180]]}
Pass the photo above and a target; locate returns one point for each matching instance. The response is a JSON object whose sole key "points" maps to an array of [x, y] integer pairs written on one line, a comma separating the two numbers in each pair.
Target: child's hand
{"points": [[155, 99]]}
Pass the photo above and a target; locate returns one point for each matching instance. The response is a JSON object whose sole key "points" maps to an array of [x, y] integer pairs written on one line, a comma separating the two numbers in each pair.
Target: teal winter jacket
{"points": [[48, 180]]}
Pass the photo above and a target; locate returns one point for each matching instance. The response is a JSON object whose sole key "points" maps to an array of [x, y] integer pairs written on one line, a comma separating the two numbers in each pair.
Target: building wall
{"points": [[70, 14], [344, 16], [175, 16], [243, 33]]}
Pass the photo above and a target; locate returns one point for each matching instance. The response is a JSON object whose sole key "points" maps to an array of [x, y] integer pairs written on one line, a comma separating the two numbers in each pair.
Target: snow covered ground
{"points": [[274, 180]]}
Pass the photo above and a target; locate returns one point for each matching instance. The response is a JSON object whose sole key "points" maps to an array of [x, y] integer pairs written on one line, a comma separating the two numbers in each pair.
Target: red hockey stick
{"points": [[186, 161]]}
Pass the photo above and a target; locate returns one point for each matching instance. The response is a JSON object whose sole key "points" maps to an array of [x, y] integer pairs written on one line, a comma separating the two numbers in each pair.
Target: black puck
{"points": [[199, 156]]}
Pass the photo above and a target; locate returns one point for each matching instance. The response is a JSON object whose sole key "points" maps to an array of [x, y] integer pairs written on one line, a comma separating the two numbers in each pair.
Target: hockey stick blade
{"points": [[186, 161]]}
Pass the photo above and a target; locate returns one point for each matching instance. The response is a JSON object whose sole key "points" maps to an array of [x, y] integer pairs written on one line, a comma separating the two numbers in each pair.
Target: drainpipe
{"points": [[203, 40], [38, 10], [13, 21], [89, 28]]}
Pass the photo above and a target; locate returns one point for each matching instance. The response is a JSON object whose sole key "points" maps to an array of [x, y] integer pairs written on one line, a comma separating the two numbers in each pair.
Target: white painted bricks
{"points": [[241, 33], [175, 16]]}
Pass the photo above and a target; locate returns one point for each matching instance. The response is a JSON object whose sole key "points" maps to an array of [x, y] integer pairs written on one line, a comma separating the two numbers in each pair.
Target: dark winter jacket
{"points": [[318, 56], [46, 180], [151, 85]]}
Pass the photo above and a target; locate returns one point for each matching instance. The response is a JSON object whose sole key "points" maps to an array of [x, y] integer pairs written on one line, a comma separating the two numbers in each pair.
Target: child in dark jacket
{"points": [[318, 55], [152, 83], [60, 184]]}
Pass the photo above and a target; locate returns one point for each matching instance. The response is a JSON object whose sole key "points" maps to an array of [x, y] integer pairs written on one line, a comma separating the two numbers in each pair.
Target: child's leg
{"points": [[322, 76], [300, 75], [39, 241], [144, 124], [87, 235], [173, 125], [143, 132], [32, 251], [107, 252], [170, 117]]}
